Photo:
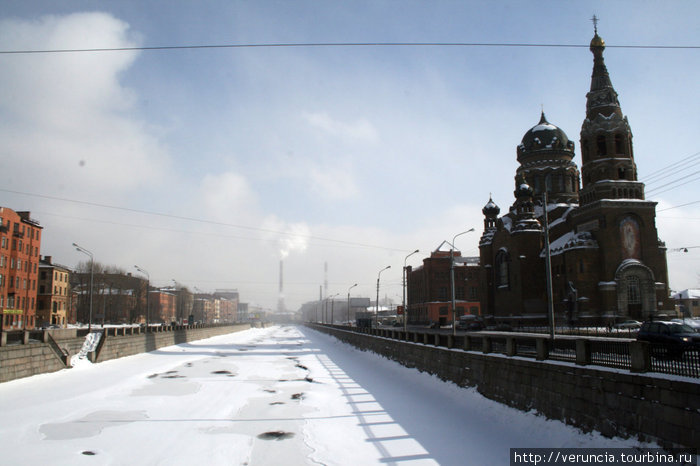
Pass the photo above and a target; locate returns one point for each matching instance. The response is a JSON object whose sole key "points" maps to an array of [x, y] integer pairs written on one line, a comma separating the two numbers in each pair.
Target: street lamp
{"points": [[148, 292], [376, 314], [332, 306], [405, 312], [452, 280], [353, 286], [92, 267]]}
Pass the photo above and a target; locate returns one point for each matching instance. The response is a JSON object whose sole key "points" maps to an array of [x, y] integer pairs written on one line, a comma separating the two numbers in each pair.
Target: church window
{"points": [[633, 291], [602, 148], [548, 182], [621, 173], [502, 269], [619, 144]]}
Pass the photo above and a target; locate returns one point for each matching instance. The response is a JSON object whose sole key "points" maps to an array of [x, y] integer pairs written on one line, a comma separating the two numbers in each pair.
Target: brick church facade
{"points": [[607, 263]]}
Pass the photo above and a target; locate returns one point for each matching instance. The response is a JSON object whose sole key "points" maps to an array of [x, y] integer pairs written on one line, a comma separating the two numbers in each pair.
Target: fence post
{"points": [[510, 346], [25, 337], [3, 336], [486, 345], [437, 339], [583, 352], [450, 341], [640, 357], [542, 345]]}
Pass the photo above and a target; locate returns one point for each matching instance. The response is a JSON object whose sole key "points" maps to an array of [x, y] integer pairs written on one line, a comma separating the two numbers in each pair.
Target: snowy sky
{"points": [[354, 156], [210, 401]]}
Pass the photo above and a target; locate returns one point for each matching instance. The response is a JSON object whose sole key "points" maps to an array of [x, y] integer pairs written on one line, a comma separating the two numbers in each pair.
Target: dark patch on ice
{"points": [[153, 376], [297, 396], [224, 372], [88, 453], [242, 349], [275, 435], [174, 376], [269, 390], [189, 364], [301, 366], [277, 403]]}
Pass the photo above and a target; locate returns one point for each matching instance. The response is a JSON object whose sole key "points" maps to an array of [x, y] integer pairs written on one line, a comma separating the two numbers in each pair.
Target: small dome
{"points": [[491, 209], [545, 136], [523, 190], [597, 41]]}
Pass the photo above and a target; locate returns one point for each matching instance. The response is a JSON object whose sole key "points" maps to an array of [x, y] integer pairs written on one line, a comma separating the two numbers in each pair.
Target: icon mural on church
{"points": [[629, 236]]}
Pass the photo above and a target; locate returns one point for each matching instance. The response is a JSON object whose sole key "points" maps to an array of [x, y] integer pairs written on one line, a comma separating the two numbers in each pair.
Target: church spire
{"points": [[602, 98]]}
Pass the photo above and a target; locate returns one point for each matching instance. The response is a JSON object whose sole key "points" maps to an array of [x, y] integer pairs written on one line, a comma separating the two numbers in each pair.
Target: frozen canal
{"points": [[275, 396]]}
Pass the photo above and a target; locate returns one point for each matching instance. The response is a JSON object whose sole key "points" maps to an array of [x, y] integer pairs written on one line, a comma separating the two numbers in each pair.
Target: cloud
{"points": [[290, 237], [67, 115], [359, 131], [227, 197]]}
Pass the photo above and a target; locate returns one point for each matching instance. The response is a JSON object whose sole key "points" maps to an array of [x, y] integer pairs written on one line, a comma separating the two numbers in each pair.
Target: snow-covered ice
{"points": [[281, 395]]}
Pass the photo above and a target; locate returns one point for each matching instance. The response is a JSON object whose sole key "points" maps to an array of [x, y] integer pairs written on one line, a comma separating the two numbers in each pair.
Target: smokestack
{"points": [[280, 301]]}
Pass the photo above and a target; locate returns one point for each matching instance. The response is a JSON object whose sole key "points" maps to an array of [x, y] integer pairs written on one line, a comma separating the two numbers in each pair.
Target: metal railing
{"points": [[632, 355]]}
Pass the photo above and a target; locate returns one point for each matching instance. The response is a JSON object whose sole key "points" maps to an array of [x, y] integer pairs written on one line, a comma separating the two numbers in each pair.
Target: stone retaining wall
{"points": [[18, 361], [613, 402]]}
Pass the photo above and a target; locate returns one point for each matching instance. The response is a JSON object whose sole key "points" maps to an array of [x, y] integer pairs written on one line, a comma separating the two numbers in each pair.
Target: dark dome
{"points": [[545, 136], [491, 209]]}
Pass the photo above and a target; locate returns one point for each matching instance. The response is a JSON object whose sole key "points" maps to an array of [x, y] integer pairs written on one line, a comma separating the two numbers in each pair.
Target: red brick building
{"points": [[20, 241], [606, 261], [162, 306], [429, 287]]}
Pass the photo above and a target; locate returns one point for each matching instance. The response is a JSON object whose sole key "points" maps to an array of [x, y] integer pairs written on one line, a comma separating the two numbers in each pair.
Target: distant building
{"points": [[54, 296], [20, 243], [429, 287], [607, 262], [688, 302], [162, 306]]}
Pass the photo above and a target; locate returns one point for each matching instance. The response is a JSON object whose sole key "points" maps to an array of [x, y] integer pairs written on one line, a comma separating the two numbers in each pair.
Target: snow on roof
{"points": [[687, 294], [543, 127], [571, 240]]}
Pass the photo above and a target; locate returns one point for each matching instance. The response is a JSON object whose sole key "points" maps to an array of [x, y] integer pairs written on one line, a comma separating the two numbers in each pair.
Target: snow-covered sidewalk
{"points": [[281, 395]]}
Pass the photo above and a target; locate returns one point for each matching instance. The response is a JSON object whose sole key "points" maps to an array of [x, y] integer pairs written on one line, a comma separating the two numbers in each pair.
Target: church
{"points": [[586, 237]]}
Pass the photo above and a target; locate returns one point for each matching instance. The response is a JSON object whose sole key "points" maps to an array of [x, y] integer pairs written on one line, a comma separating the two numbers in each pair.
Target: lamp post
{"points": [[376, 314], [405, 312], [92, 268], [353, 286], [452, 280], [148, 293], [332, 306]]}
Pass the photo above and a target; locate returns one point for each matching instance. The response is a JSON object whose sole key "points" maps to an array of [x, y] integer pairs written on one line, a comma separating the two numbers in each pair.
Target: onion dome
{"points": [[491, 209], [545, 136], [522, 189]]}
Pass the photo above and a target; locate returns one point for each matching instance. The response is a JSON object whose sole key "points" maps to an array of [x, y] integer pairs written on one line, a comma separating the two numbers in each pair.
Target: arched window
{"points": [[619, 144], [502, 269], [602, 148]]}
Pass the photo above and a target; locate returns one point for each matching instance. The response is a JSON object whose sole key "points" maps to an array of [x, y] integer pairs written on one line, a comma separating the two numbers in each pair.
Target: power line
{"points": [[677, 206], [336, 44], [662, 173], [674, 182], [199, 220]]}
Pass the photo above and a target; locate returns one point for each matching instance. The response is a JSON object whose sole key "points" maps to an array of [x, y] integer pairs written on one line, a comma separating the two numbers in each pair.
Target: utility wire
{"points": [[674, 182], [336, 44], [199, 220], [663, 172], [677, 206]]}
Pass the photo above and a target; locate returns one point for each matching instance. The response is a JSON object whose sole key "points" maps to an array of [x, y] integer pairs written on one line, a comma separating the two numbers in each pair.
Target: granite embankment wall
{"points": [[53, 349], [661, 409]]}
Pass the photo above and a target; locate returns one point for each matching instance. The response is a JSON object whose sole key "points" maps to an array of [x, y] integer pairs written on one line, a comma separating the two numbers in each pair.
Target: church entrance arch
{"points": [[636, 292]]}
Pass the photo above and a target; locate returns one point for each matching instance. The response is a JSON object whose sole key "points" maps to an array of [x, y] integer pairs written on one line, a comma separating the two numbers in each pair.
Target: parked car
{"points": [[629, 324], [673, 337], [693, 323], [470, 322]]}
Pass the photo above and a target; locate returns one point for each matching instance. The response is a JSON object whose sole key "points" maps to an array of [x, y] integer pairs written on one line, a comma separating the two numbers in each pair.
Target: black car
{"points": [[673, 337]]}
